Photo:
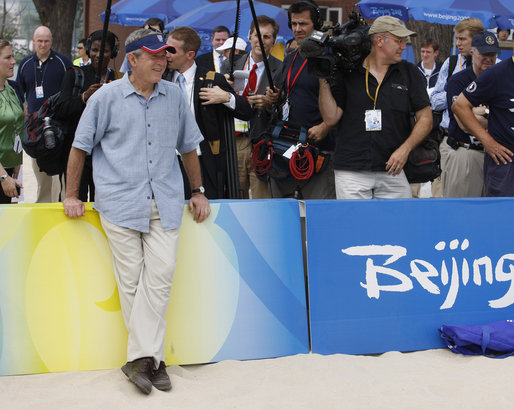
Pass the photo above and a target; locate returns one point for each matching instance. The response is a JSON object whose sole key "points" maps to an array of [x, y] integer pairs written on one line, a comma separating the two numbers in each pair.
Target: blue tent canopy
{"points": [[205, 18], [490, 12], [135, 12]]}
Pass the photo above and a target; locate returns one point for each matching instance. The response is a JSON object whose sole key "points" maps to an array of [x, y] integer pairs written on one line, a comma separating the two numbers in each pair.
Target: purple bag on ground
{"points": [[492, 340]]}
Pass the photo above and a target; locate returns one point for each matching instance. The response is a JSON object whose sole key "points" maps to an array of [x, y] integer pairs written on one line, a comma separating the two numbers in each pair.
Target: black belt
{"points": [[452, 142]]}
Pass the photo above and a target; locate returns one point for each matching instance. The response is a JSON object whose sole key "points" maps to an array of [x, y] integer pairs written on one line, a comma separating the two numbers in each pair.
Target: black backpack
{"points": [[44, 136]]}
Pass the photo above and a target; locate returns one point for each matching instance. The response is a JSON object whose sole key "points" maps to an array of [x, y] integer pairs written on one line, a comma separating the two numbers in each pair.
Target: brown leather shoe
{"points": [[139, 372], [160, 378]]}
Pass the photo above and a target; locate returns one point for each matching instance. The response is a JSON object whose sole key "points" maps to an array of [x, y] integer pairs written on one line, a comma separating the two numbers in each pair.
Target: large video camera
{"points": [[344, 50]]}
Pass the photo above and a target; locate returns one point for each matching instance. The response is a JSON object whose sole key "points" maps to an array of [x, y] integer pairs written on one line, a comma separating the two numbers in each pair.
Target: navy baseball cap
{"points": [[152, 44], [485, 42]]}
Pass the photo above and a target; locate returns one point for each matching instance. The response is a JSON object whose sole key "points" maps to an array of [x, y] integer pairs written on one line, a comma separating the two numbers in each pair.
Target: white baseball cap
{"points": [[240, 44]]}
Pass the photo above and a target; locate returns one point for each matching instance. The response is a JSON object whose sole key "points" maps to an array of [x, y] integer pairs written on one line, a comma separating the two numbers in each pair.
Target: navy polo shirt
{"points": [[495, 88], [49, 75]]}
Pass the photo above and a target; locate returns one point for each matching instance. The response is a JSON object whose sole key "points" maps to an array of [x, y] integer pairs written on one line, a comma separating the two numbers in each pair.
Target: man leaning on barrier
{"points": [[133, 127]]}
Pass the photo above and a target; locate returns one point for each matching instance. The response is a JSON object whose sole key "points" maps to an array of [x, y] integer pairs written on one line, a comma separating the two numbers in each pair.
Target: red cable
{"points": [[301, 164], [261, 167]]}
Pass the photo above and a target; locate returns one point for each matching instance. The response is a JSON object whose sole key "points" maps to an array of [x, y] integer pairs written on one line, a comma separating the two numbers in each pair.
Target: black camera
{"points": [[344, 50]]}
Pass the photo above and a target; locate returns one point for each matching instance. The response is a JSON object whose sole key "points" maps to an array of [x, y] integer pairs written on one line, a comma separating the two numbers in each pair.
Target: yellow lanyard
{"points": [[367, 86]]}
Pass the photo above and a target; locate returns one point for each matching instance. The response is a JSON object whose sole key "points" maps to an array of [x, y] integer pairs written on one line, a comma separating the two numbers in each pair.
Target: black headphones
{"points": [[315, 14], [115, 50]]}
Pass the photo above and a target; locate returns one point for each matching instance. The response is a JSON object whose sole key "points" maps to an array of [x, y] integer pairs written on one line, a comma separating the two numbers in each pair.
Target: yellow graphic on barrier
{"points": [[60, 308], [70, 272]]}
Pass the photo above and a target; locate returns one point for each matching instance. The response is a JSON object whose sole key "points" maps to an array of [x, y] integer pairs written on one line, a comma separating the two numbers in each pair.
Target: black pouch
{"points": [[424, 162]]}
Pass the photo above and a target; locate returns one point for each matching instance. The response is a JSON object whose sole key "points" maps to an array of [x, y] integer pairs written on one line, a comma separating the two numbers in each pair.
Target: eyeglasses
{"points": [[80, 47], [398, 41]]}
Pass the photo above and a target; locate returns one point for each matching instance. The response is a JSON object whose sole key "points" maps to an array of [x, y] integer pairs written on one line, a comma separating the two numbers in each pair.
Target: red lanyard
{"points": [[289, 84]]}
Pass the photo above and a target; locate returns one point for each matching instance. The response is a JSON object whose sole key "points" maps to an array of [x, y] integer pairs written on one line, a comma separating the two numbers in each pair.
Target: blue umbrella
{"points": [[135, 12], [490, 12], [205, 18]]}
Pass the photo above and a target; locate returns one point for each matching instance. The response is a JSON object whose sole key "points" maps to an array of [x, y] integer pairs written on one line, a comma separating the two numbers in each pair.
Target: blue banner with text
{"points": [[386, 274]]}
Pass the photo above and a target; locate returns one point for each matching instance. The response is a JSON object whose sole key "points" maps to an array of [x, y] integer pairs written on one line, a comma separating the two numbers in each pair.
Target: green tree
{"points": [[7, 30], [441, 33], [59, 17]]}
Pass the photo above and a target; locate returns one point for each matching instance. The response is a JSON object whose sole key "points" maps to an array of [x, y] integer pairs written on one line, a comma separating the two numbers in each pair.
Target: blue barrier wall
{"points": [[386, 274]]}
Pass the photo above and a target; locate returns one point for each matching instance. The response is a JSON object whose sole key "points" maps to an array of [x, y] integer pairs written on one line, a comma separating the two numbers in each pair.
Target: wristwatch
{"points": [[199, 190], [4, 177]]}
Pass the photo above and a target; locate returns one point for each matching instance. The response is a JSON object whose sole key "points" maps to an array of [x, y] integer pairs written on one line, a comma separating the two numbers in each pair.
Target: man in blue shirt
{"points": [[495, 88], [465, 30], [139, 192], [40, 76], [463, 174]]}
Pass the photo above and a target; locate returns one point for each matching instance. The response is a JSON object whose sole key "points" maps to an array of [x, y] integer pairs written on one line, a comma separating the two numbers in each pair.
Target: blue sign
{"points": [[386, 274]]}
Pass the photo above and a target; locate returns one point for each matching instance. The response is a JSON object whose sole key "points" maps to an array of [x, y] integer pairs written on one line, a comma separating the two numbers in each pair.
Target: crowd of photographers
{"points": [[349, 94]]}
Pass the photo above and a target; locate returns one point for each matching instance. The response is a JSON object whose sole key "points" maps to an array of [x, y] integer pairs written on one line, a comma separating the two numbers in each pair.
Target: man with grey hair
{"points": [[463, 154], [139, 192], [373, 103], [40, 76]]}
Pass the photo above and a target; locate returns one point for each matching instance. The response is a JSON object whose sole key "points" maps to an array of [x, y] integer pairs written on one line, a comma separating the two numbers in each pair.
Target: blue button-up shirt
{"points": [[438, 96], [133, 141]]}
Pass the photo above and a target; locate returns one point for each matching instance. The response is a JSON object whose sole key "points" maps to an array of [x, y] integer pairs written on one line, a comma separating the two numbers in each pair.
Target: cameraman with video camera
{"points": [[300, 106], [371, 105]]}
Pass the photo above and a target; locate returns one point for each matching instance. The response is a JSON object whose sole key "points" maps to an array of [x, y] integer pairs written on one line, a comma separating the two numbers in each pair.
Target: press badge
{"points": [[39, 92], [289, 153], [285, 111], [373, 120], [17, 147]]}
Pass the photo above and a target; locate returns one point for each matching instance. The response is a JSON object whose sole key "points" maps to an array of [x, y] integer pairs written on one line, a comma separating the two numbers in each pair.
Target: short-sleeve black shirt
{"points": [[361, 150]]}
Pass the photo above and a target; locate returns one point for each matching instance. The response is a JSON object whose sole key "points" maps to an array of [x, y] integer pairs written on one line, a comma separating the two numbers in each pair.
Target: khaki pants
{"points": [[144, 264], [48, 187], [370, 185], [250, 185], [463, 171]]}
